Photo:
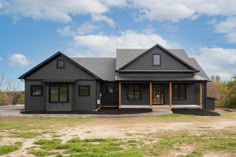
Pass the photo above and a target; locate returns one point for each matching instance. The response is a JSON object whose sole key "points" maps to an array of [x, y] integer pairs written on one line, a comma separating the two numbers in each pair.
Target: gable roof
{"points": [[124, 56], [105, 68], [180, 53], [50, 59], [128, 59], [102, 67]]}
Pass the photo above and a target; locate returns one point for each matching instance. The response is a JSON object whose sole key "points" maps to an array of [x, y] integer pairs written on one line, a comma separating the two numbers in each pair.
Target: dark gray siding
{"points": [[145, 62], [85, 102], [49, 71], [144, 95], [34, 103], [109, 99], [70, 72]]}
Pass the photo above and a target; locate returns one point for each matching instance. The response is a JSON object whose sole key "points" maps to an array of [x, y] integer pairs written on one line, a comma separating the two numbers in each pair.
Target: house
{"points": [[136, 77]]}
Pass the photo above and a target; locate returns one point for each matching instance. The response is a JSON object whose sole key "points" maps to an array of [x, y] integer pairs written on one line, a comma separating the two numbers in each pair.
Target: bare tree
{"points": [[1, 81], [12, 91]]}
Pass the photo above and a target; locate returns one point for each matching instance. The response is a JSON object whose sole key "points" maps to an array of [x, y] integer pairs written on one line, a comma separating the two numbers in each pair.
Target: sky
{"points": [[31, 31]]}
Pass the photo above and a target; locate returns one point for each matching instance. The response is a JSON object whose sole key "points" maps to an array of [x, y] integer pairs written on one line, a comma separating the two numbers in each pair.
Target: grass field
{"points": [[163, 135]]}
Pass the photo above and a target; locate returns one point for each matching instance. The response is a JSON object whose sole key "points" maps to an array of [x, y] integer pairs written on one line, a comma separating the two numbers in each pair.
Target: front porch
{"points": [[161, 95]]}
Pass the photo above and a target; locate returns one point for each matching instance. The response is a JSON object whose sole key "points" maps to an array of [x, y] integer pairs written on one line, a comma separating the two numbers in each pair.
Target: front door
{"points": [[158, 94]]}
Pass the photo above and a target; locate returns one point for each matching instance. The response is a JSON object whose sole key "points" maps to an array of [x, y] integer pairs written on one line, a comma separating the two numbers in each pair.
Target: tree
{"points": [[217, 89], [12, 91], [1, 81], [231, 95]]}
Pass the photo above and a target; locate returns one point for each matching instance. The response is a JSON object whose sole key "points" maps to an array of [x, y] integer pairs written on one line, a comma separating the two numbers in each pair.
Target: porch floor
{"points": [[161, 106]]}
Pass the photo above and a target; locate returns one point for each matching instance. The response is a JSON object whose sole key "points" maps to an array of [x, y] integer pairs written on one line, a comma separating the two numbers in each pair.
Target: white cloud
{"points": [[18, 60], [117, 3], [1, 59], [83, 29], [218, 61], [103, 45], [59, 10], [66, 31], [103, 18], [172, 10], [227, 27]]}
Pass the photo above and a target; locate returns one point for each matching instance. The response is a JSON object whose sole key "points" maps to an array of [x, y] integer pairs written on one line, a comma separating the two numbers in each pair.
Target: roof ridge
{"points": [[95, 57]]}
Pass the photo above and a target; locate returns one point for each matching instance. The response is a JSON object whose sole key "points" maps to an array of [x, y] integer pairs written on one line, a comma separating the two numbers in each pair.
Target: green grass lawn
{"points": [[22, 129]]}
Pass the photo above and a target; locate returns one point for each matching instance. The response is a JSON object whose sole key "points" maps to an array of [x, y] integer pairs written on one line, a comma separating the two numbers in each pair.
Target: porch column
{"points": [[119, 94], [170, 94], [200, 94], [150, 93]]}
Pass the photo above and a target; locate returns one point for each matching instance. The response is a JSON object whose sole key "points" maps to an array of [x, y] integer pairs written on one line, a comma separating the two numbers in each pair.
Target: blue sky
{"points": [[31, 31]]}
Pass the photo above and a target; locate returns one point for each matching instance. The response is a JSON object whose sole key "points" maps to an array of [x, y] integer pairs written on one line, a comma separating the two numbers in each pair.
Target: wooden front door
{"points": [[158, 94]]}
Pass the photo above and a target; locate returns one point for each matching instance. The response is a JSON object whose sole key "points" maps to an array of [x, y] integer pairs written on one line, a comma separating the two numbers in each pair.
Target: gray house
{"points": [[136, 77]]}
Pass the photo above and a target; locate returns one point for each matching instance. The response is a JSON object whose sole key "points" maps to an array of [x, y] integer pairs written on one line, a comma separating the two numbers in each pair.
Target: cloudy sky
{"points": [[31, 31]]}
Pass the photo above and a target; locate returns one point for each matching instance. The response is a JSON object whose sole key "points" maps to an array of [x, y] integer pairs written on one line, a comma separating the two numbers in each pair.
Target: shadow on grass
{"points": [[198, 112]]}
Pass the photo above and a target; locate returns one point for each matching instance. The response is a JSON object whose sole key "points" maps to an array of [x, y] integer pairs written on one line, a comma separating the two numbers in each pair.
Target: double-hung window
{"points": [[36, 90], [84, 90]]}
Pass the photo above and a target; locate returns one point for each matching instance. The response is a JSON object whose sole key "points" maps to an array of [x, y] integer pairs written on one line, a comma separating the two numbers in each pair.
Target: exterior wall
{"points": [[145, 62], [49, 71], [70, 72], [85, 102], [34, 103], [109, 99], [144, 95]]}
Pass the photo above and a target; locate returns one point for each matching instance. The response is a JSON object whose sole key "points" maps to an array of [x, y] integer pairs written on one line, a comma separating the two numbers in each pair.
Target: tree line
{"points": [[223, 91], [9, 94]]}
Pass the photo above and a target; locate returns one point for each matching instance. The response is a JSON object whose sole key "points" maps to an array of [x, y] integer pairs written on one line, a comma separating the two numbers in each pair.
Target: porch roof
{"points": [[59, 80], [173, 78]]}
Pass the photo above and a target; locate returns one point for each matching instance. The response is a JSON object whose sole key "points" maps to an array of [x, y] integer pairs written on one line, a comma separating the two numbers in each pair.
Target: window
{"points": [[58, 93], [179, 91], [60, 64], [156, 59], [110, 89], [84, 90], [36, 90], [134, 92]]}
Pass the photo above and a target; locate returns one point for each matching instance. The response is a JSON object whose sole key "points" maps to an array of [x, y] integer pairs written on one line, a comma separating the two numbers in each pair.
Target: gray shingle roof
{"points": [[124, 56], [102, 67], [105, 67]]}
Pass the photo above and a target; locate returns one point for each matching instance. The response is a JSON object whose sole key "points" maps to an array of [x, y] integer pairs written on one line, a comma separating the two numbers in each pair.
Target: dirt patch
{"points": [[119, 130], [180, 150], [219, 154], [198, 112]]}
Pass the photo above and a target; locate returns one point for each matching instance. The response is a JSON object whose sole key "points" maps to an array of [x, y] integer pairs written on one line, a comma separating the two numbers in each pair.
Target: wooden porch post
{"points": [[200, 94], [150, 93], [119, 94], [170, 94]]}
